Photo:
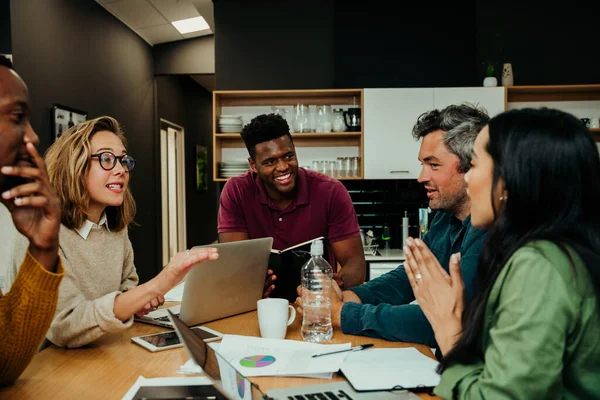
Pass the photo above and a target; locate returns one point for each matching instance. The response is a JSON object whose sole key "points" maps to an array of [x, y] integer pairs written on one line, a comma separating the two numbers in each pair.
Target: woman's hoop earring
{"points": [[503, 198]]}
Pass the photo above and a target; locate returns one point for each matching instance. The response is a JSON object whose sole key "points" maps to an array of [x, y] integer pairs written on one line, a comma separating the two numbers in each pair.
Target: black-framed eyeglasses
{"points": [[108, 161]]}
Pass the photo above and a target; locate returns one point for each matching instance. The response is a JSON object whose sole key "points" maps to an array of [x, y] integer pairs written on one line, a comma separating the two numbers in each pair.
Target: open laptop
{"points": [[215, 289], [198, 351]]}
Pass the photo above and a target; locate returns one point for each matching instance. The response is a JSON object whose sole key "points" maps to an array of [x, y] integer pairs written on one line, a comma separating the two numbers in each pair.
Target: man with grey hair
{"points": [[384, 307]]}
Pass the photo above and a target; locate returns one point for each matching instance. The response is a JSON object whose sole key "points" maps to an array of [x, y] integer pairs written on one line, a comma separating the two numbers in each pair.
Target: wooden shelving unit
{"points": [[263, 99], [552, 93], [595, 134]]}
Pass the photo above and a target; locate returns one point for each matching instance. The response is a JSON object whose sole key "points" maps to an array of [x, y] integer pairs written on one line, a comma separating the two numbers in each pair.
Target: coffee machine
{"points": [[352, 119]]}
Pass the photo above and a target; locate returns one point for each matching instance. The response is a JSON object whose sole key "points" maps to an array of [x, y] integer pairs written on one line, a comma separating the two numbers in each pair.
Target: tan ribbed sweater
{"points": [[97, 270], [25, 315]]}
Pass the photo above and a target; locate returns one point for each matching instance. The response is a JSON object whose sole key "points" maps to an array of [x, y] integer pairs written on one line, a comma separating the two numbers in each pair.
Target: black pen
{"points": [[182, 398], [357, 348]]}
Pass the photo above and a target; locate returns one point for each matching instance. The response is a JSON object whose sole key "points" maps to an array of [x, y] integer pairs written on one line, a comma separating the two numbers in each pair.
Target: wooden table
{"points": [[109, 367]]}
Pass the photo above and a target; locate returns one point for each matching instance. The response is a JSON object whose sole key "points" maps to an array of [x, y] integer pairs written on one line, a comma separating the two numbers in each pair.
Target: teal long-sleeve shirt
{"points": [[540, 336], [385, 311]]}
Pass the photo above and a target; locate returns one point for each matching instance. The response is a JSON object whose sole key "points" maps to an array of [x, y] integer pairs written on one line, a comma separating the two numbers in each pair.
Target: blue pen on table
{"points": [[357, 348]]}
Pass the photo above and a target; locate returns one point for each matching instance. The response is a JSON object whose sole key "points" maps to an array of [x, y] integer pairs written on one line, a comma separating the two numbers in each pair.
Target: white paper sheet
{"points": [[232, 382], [253, 356], [190, 367], [176, 293], [215, 347], [188, 381], [383, 369]]}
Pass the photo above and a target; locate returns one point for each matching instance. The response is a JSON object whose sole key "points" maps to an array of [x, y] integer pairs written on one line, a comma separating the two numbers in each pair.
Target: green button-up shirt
{"points": [[540, 336]]}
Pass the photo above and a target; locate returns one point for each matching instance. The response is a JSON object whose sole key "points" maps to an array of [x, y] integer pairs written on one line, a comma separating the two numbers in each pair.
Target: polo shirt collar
{"points": [[302, 195], [87, 226], [467, 221]]}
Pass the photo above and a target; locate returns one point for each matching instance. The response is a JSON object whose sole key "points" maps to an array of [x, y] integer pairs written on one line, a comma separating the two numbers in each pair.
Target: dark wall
{"points": [[77, 54], [273, 44], [191, 56], [264, 45], [186, 103], [323, 44], [417, 45], [547, 45], [5, 42]]}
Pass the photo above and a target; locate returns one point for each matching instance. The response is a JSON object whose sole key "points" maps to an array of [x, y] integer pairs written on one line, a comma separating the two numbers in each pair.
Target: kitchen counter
{"points": [[386, 255]]}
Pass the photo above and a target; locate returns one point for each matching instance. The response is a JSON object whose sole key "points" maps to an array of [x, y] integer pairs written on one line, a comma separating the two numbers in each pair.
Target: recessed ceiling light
{"points": [[191, 25]]}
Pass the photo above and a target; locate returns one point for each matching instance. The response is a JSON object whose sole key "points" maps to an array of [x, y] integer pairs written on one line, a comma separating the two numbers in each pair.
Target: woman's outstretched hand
{"points": [[179, 266], [439, 294]]}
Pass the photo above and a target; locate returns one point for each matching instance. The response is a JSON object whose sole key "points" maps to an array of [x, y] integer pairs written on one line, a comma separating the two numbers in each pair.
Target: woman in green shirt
{"points": [[533, 328]]}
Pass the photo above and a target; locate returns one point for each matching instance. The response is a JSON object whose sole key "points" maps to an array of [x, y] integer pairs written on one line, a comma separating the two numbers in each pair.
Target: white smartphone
{"points": [[170, 340]]}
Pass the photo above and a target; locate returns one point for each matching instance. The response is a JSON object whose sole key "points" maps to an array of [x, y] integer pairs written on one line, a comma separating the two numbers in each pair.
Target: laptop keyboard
{"points": [[164, 319], [340, 395]]}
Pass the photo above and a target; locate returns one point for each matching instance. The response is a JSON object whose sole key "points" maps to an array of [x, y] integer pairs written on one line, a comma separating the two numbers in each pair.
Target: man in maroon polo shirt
{"points": [[277, 199]]}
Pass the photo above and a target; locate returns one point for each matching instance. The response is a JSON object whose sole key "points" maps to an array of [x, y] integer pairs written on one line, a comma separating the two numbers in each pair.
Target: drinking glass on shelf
{"points": [[323, 168], [337, 120], [346, 166], [331, 168], [312, 118], [300, 120], [341, 170], [316, 165], [354, 163], [323, 118]]}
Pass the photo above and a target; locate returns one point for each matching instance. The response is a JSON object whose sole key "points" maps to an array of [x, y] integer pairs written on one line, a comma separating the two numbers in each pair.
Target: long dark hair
{"points": [[551, 171]]}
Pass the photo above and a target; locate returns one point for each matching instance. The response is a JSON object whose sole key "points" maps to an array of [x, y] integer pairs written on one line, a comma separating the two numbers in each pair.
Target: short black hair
{"points": [[263, 128], [5, 62]]}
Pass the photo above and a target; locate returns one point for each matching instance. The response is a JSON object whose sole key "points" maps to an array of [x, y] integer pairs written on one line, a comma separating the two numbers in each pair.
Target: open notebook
{"points": [[386, 369], [287, 264]]}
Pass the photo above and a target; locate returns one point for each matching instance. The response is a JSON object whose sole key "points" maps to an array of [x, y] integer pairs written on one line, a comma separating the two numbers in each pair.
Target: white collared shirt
{"points": [[87, 226]]}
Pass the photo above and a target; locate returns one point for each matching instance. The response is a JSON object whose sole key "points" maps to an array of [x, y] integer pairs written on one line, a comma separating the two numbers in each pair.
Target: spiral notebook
{"points": [[387, 369]]}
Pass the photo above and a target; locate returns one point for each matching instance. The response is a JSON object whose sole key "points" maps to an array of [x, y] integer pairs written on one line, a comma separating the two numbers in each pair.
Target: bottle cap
{"points": [[316, 248]]}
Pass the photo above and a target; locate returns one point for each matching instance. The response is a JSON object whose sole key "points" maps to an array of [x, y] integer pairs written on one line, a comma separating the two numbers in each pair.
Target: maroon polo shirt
{"points": [[322, 207]]}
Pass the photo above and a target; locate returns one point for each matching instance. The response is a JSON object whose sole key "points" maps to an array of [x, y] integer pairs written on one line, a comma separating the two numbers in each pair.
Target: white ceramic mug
{"points": [[273, 317]]}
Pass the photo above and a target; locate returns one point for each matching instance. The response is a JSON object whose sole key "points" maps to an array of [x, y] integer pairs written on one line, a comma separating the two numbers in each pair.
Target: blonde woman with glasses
{"points": [[90, 168]]}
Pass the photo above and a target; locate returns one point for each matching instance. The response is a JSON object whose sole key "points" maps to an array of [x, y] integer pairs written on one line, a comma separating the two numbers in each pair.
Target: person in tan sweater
{"points": [[89, 167], [26, 311]]}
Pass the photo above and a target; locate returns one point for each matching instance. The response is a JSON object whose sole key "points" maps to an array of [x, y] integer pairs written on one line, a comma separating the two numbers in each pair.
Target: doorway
{"points": [[172, 178]]}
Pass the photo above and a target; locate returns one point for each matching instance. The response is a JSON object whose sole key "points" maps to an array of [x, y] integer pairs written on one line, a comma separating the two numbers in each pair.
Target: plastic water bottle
{"points": [[316, 300]]}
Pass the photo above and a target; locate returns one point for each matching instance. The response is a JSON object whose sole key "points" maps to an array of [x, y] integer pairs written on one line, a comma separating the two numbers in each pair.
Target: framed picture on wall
{"points": [[64, 117], [201, 168]]}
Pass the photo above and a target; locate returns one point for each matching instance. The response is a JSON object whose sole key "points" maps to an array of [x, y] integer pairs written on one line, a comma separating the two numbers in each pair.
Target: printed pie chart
{"points": [[241, 384], [257, 361]]}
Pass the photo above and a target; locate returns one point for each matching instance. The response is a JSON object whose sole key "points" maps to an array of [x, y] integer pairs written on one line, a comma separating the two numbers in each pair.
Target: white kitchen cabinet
{"points": [[376, 269], [390, 152], [384, 262], [493, 99]]}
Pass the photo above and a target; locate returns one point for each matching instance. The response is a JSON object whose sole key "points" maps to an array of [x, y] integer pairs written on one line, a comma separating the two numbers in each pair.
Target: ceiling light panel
{"points": [[190, 25]]}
